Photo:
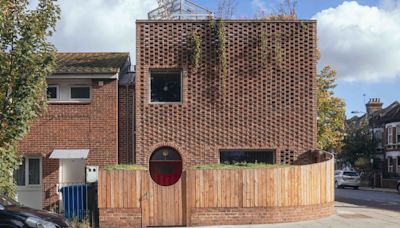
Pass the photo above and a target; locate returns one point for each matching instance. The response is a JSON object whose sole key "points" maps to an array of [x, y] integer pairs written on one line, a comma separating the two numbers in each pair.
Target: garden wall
{"points": [[213, 197]]}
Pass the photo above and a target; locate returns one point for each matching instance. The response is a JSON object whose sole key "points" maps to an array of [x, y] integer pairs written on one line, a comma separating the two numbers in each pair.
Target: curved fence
{"points": [[214, 197]]}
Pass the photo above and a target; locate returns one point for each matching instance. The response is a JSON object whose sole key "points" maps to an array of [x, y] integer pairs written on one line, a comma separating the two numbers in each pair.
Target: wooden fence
{"points": [[238, 188]]}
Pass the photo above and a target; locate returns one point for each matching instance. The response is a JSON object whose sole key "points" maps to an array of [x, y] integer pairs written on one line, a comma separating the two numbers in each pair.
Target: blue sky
{"points": [[360, 39]]}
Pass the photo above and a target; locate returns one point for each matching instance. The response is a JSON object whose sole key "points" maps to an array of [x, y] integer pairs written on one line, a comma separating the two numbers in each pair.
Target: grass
{"points": [[238, 166], [124, 167]]}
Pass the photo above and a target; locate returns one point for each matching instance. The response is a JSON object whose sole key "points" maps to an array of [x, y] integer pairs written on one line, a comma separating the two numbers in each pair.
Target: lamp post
{"points": [[372, 171]]}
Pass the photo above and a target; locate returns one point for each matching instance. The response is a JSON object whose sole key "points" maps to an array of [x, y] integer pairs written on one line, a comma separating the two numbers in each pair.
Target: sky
{"points": [[359, 39]]}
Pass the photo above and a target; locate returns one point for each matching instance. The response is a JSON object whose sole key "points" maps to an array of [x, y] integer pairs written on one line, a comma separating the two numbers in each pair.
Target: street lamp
{"points": [[372, 170]]}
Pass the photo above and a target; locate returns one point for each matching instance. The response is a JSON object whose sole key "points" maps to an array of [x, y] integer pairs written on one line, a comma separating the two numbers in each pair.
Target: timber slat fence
{"points": [[292, 186]]}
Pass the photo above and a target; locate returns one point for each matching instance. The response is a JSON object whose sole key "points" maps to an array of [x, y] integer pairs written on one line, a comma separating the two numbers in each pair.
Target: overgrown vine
{"points": [[218, 34], [196, 49]]}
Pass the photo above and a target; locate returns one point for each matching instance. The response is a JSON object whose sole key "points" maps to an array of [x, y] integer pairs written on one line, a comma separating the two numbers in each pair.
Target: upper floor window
{"points": [[53, 92], [165, 87], [390, 135], [80, 92], [66, 92], [398, 134]]}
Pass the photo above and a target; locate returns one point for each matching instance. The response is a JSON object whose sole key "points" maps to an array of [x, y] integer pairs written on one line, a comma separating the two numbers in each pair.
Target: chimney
{"points": [[373, 105]]}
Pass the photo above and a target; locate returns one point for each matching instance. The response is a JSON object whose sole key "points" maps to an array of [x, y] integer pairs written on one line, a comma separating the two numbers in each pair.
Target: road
{"points": [[374, 199]]}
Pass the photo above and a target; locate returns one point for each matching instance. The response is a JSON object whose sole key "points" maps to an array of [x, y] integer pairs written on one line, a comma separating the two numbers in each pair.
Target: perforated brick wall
{"points": [[268, 101]]}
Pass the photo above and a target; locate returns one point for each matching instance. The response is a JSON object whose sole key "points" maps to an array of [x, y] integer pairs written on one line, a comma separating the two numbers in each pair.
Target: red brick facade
{"points": [[125, 124], [91, 126], [268, 101]]}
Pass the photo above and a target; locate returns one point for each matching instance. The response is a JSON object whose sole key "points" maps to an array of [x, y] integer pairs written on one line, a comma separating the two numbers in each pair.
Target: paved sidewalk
{"points": [[378, 189], [347, 215]]}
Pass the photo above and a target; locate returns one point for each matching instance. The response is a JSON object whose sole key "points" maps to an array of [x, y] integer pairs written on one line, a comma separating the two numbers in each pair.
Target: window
{"points": [[29, 172], [165, 87], [398, 134], [165, 166], [53, 92], [249, 156], [390, 135], [19, 174], [80, 93]]}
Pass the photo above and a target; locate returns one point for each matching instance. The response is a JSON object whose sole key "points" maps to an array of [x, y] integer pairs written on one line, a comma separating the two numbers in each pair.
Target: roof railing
{"points": [[180, 10]]}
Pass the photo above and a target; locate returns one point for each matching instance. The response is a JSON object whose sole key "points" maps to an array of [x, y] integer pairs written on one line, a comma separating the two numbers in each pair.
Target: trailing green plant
{"points": [[218, 34], [278, 53], [26, 58], [195, 54]]}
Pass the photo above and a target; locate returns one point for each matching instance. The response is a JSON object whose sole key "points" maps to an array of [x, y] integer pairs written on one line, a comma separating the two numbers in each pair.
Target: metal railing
{"points": [[179, 10]]}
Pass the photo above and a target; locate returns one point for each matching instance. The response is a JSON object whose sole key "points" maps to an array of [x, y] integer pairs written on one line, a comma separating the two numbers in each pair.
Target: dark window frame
{"points": [[80, 86], [166, 71], [57, 92], [227, 151]]}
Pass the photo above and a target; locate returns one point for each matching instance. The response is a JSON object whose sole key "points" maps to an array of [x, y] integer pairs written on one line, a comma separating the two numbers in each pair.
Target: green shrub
{"points": [[124, 167]]}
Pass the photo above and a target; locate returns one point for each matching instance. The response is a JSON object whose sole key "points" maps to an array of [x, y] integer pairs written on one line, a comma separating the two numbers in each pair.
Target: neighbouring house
{"points": [[85, 125], [384, 125]]}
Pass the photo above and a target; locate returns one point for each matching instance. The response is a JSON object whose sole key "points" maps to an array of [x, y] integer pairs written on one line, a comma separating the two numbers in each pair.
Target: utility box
{"points": [[92, 174]]}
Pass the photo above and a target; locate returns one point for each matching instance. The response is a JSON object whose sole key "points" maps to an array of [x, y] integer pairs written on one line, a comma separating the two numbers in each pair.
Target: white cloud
{"points": [[100, 25], [361, 42], [260, 8]]}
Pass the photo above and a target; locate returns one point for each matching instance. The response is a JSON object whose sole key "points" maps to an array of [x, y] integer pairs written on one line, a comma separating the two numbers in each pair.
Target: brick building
{"points": [[79, 128], [263, 109], [172, 111], [384, 126]]}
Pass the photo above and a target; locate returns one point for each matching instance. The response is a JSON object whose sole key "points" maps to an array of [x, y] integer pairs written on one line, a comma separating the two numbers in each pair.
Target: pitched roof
{"points": [[90, 62], [387, 115]]}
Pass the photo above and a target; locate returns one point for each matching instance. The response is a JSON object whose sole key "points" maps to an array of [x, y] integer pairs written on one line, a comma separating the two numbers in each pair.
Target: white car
{"points": [[347, 179]]}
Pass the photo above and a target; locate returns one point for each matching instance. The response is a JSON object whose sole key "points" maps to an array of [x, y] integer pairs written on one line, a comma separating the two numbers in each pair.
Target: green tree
{"points": [[26, 58], [359, 147], [330, 112]]}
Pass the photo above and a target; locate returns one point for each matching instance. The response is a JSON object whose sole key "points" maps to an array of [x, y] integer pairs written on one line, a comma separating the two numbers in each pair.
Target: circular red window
{"points": [[165, 166]]}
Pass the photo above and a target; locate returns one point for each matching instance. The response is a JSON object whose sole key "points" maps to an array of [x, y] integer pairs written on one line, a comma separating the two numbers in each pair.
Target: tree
{"points": [[286, 10], [26, 58], [330, 112], [226, 8], [359, 147]]}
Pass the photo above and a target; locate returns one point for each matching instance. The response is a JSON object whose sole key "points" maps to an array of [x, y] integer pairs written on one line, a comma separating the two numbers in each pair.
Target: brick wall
{"points": [[122, 218], [125, 124], [75, 126], [132, 217], [256, 215], [269, 97]]}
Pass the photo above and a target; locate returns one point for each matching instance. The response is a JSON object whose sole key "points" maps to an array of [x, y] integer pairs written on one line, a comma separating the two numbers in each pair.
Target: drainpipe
{"points": [[127, 119], [133, 124]]}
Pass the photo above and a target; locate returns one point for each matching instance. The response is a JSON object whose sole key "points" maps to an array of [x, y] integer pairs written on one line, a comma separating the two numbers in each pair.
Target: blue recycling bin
{"points": [[75, 201]]}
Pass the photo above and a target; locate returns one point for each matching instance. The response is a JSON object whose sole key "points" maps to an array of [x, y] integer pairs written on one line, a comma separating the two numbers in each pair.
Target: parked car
{"points": [[15, 215], [398, 186], [347, 179]]}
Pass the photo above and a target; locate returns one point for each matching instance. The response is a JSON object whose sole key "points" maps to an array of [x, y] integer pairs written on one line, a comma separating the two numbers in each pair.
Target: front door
{"points": [[162, 199], [162, 205], [29, 182]]}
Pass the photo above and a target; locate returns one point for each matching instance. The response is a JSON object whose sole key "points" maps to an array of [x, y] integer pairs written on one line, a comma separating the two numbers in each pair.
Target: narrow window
{"points": [[390, 135], [398, 135], [52, 92], [165, 87], [247, 156], [80, 92], [19, 174]]}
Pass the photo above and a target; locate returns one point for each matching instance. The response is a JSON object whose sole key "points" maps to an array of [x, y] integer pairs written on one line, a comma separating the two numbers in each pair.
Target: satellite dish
{"points": [[179, 10]]}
